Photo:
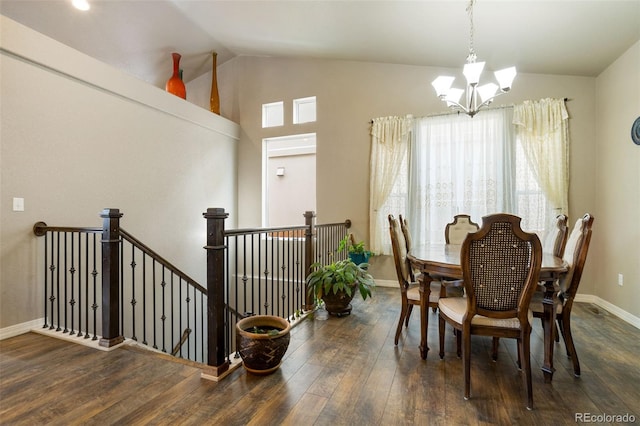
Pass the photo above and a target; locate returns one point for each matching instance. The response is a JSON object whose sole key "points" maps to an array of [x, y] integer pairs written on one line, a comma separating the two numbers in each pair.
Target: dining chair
{"points": [[456, 231], [556, 239], [554, 242], [409, 288], [404, 225], [413, 275], [575, 255], [500, 267]]}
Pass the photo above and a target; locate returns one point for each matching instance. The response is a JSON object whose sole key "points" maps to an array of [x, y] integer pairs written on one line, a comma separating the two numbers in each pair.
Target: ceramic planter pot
{"points": [[338, 303], [262, 342]]}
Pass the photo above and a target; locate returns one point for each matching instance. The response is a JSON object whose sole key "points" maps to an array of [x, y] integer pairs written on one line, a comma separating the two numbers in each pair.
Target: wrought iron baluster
{"points": [[58, 281], [133, 293], [94, 306], [153, 303], [46, 281], [72, 271], [144, 299]]}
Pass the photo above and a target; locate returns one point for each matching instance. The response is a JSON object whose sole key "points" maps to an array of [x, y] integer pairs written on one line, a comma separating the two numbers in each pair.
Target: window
{"points": [[273, 114], [458, 164], [304, 110]]}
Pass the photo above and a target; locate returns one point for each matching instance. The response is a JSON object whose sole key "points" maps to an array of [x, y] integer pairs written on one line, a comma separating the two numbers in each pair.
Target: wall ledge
{"points": [[27, 45]]}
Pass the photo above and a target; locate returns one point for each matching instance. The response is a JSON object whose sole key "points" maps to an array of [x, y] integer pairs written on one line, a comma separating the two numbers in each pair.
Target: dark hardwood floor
{"points": [[342, 371]]}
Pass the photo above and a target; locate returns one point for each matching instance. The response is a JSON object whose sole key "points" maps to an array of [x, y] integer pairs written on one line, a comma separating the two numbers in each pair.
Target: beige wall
{"points": [[78, 136], [616, 237]]}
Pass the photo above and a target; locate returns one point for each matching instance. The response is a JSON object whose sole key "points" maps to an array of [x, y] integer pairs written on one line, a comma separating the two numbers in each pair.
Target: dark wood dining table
{"points": [[438, 261]]}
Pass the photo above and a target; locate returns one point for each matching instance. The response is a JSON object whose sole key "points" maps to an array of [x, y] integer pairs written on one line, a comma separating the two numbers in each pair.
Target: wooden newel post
{"points": [[309, 254], [111, 278], [215, 290]]}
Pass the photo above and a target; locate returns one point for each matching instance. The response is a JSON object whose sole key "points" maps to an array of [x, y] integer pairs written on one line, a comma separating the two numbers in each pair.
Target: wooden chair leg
{"points": [[525, 348], [441, 329], [406, 320], [494, 351], [403, 313], [458, 334], [565, 325], [466, 362]]}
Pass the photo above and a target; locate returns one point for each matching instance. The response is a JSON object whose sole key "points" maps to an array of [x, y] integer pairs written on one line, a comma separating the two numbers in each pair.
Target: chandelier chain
{"points": [[472, 54]]}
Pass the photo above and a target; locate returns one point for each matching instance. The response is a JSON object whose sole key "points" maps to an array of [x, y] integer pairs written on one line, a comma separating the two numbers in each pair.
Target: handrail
{"points": [[41, 228], [139, 244], [346, 223], [232, 232]]}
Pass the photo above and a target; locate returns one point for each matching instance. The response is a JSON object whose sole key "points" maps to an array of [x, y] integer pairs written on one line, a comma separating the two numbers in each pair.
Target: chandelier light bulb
{"points": [[487, 92], [453, 97], [472, 72], [442, 85], [505, 78]]}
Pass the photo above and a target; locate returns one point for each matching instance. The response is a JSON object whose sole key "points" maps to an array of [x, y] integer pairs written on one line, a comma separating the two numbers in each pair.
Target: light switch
{"points": [[18, 204]]}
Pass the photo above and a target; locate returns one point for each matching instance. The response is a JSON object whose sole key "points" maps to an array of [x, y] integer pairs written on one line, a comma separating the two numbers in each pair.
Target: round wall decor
{"points": [[635, 131]]}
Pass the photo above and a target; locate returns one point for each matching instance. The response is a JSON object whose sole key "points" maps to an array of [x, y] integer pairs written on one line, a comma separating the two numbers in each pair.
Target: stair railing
{"points": [[93, 292]]}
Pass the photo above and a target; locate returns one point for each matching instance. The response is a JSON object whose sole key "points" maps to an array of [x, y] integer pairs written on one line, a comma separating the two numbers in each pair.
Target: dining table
{"points": [[438, 261]]}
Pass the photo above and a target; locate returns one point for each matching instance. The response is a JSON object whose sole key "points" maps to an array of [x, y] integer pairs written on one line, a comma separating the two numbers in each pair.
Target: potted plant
{"points": [[337, 283], [262, 341], [356, 251]]}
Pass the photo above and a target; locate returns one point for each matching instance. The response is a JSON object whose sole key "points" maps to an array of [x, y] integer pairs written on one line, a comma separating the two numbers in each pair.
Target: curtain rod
{"points": [[440, 114]]}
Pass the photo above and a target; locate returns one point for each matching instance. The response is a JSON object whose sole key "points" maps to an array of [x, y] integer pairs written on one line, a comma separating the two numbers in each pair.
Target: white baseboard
{"points": [[387, 283], [17, 329], [609, 307]]}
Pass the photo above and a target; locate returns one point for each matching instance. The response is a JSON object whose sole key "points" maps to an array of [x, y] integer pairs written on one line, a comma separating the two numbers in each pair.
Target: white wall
{"points": [[78, 136]]}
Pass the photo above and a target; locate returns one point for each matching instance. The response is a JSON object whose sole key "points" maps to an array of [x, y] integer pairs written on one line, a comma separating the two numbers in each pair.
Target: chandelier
{"points": [[476, 96]]}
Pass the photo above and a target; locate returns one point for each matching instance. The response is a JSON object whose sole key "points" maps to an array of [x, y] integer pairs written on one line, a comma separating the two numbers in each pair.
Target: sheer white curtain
{"points": [[460, 164], [542, 129], [389, 143]]}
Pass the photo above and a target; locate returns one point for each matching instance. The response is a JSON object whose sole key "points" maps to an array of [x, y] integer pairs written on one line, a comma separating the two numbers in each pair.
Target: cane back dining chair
{"points": [[409, 289], [553, 242], [500, 267], [575, 255], [456, 231]]}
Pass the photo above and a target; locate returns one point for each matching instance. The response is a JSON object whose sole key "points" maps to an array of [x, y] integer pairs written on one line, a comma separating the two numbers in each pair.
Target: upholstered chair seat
{"points": [[456, 307]]}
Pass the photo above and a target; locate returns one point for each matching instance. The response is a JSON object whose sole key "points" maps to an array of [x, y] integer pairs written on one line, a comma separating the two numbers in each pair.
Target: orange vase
{"points": [[175, 84]]}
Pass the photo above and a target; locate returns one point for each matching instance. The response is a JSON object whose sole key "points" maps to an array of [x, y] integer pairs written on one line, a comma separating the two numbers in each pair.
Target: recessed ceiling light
{"points": [[81, 4]]}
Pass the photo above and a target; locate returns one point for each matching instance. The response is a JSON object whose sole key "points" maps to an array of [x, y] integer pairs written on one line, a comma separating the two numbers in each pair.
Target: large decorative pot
{"points": [[262, 341], [338, 303]]}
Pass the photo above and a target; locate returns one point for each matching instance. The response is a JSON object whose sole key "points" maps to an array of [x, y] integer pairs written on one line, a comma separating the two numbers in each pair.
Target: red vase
{"points": [[175, 84]]}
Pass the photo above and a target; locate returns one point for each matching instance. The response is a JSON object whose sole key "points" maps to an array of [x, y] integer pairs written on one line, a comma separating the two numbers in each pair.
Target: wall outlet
{"points": [[620, 280], [18, 204]]}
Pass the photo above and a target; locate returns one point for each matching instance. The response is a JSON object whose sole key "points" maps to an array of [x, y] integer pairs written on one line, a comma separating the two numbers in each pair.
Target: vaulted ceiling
{"points": [[570, 37]]}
